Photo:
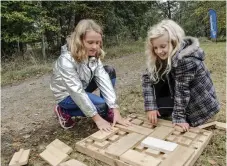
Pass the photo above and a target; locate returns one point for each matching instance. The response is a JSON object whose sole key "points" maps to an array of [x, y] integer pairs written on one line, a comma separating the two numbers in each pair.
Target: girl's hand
{"points": [[118, 119], [101, 123], [152, 116], [184, 126]]}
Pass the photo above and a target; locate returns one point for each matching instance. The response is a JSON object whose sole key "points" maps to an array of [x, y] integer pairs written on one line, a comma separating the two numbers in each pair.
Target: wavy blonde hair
{"points": [[75, 40], [176, 35]]}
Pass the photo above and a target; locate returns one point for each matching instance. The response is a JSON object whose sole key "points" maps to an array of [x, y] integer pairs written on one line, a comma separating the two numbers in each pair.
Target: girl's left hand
{"points": [[118, 119], [185, 126]]}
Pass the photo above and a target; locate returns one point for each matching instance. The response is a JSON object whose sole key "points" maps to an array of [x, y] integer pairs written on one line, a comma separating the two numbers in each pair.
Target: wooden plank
{"points": [[195, 130], [102, 145], [220, 125], [206, 125], [72, 162], [159, 145], [196, 155], [100, 136], [165, 123], [60, 146], [173, 158], [114, 138], [137, 122], [123, 144], [135, 128], [94, 153], [20, 158], [190, 135], [139, 159], [184, 141], [121, 133], [152, 152], [161, 132], [139, 148], [89, 140], [171, 138], [53, 156]]}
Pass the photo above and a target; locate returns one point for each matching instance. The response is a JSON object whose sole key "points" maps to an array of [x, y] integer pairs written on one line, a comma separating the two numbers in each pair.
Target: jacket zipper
{"points": [[170, 89]]}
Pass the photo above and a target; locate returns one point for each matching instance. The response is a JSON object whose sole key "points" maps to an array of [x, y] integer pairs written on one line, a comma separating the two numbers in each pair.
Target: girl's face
{"points": [[92, 42], [161, 46]]}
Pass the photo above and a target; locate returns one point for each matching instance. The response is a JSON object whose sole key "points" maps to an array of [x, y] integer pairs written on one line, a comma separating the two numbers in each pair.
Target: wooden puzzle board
{"points": [[122, 146]]}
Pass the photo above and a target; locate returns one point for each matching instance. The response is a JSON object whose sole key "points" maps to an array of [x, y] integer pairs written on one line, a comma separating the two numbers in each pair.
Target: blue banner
{"points": [[213, 23]]}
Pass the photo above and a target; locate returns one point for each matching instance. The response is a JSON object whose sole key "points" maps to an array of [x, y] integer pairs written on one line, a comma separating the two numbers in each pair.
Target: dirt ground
{"points": [[28, 120]]}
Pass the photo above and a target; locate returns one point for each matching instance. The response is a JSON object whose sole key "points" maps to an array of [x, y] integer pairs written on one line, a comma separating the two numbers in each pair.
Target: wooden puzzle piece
{"points": [[123, 144], [20, 158], [100, 136], [139, 159], [61, 146]]}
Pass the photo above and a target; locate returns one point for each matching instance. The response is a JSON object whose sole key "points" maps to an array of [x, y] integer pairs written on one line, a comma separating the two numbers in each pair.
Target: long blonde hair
{"points": [[176, 35], [75, 40]]}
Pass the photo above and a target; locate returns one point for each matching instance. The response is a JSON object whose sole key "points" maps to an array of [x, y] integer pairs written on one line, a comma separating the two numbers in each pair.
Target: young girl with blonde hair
{"points": [[78, 72], [177, 82]]}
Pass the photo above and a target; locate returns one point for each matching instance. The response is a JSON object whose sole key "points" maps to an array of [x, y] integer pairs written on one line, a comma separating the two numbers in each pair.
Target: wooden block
{"points": [[143, 118], [89, 141], [159, 145], [20, 158], [102, 145], [123, 144], [161, 132], [220, 125], [206, 125], [147, 125], [171, 138], [152, 152], [53, 156], [72, 162], [139, 148], [165, 123], [198, 150], [121, 132], [202, 138], [184, 141], [93, 148], [132, 116], [114, 138], [100, 136], [178, 157], [129, 119], [190, 135], [61, 146], [94, 152], [139, 159], [177, 133], [137, 122], [195, 130], [136, 129]]}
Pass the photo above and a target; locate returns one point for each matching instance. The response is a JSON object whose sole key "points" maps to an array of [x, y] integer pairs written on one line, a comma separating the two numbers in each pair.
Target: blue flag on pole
{"points": [[213, 23]]}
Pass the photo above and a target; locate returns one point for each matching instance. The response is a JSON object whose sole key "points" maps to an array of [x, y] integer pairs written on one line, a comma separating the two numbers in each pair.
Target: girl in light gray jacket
{"points": [[77, 73]]}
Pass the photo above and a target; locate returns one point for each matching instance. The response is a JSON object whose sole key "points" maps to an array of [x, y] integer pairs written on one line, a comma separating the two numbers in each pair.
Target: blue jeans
{"points": [[70, 107]]}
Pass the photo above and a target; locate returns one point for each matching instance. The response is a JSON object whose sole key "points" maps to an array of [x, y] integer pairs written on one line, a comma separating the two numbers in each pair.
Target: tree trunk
{"points": [[169, 11], [43, 47]]}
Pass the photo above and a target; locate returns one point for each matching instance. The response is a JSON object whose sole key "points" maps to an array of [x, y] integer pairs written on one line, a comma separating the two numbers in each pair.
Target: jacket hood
{"points": [[190, 48]]}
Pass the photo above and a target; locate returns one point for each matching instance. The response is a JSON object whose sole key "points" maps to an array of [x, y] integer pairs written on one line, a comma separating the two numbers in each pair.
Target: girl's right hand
{"points": [[152, 116], [101, 123]]}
